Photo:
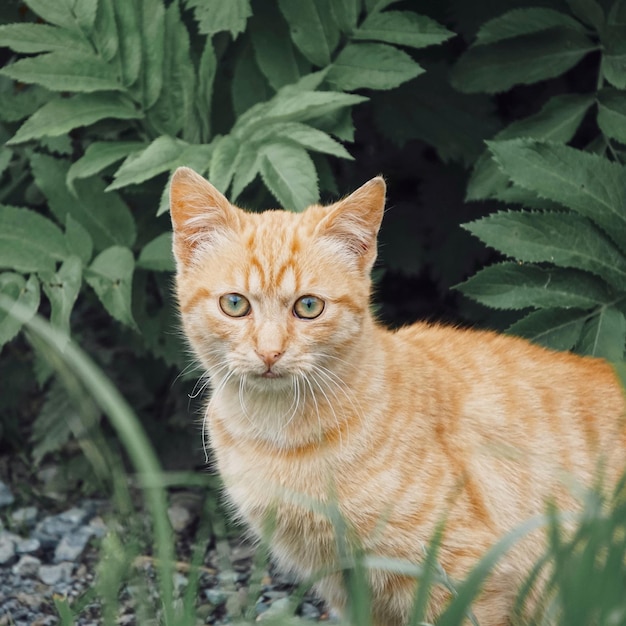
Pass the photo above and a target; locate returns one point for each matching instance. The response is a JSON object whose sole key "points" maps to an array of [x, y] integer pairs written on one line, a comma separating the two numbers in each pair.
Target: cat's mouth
{"points": [[270, 374]]}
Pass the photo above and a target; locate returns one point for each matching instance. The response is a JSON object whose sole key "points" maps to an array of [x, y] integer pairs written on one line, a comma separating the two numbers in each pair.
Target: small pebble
{"points": [[180, 517], [27, 546], [279, 607], [215, 596], [72, 544], [7, 548], [26, 516], [6, 497], [310, 612], [54, 574], [27, 566]]}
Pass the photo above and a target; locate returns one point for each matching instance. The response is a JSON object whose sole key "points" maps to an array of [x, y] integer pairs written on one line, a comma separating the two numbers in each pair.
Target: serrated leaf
{"points": [[523, 22], [105, 215], [99, 155], [565, 239], [223, 162], [171, 113], [558, 329], [16, 105], [515, 286], [29, 242], [152, 30], [78, 240], [30, 38], [105, 35], [272, 46], [403, 28], [526, 59], [307, 27], [214, 16], [59, 12], [604, 335], [587, 183], [64, 114], [160, 156], [25, 294], [288, 172], [306, 136], [69, 70], [372, 66], [111, 276], [247, 166], [558, 120], [129, 39], [204, 94], [249, 87], [612, 113], [157, 254], [62, 289]]}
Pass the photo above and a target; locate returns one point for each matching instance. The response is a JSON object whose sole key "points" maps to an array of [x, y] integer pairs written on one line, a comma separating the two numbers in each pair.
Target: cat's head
{"points": [[270, 296]]}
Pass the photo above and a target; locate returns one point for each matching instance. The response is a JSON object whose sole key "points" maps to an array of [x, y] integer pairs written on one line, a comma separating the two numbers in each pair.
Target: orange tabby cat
{"points": [[314, 401]]}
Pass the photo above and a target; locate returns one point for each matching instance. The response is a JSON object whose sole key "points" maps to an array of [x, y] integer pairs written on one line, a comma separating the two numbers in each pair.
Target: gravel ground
{"points": [[43, 556]]}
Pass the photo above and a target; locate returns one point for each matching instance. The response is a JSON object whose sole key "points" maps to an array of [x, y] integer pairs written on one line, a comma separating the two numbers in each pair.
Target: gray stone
{"points": [[6, 497], [55, 574], [51, 528], [26, 516], [215, 596], [7, 548], [98, 527], [310, 612], [27, 566], [280, 607], [180, 517], [27, 546], [72, 544]]}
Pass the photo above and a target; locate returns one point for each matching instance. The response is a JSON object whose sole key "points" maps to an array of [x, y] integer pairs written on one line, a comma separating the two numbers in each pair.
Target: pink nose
{"points": [[269, 357]]}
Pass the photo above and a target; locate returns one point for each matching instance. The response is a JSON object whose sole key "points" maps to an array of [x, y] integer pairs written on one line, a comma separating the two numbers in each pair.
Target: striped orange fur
{"points": [[398, 428]]}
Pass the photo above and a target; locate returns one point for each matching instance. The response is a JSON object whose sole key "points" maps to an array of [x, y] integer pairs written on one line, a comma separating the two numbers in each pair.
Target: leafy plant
{"points": [[569, 242]]}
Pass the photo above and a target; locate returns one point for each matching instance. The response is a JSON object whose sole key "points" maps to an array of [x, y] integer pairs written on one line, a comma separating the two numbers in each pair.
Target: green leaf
{"points": [[17, 105], [272, 46], [29, 242], [526, 59], [246, 167], [249, 87], [372, 66], [62, 289], [297, 106], [104, 215], [29, 38], [588, 11], [604, 335], [152, 31], [403, 28], [306, 136], [25, 294], [307, 24], [223, 162], [59, 12], [215, 16], [160, 156], [204, 94], [612, 113], [78, 240], [524, 22], [69, 70], [157, 254], [99, 155], [172, 111], [587, 183], [613, 36], [565, 239], [346, 14], [129, 39], [105, 36], [111, 276], [515, 286], [558, 120], [558, 329], [288, 172], [62, 115]]}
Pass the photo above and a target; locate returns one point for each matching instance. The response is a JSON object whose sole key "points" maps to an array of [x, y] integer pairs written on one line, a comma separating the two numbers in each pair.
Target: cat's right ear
{"points": [[200, 213]]}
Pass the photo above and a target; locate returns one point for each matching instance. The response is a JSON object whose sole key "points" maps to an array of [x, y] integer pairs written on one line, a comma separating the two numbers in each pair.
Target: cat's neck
{"points": [[323, 408]]}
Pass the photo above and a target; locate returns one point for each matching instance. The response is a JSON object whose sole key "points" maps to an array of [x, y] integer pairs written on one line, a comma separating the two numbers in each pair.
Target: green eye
{"points": [[308, 307], [234, 305]]}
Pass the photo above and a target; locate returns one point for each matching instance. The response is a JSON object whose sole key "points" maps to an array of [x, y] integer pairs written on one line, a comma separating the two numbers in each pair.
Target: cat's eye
{"points": [[308, 307], [235, 305]]}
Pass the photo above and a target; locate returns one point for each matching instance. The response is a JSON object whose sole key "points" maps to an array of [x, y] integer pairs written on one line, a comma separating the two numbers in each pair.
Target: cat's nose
{"points": [[269, 357]]}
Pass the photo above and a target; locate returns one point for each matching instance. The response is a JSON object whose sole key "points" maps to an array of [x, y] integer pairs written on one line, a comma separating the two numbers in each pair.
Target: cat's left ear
{"points": [[353, 222], [200, 213]]}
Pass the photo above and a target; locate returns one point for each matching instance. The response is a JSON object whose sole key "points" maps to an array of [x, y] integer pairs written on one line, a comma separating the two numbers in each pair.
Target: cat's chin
{"points": [[270, 381]]}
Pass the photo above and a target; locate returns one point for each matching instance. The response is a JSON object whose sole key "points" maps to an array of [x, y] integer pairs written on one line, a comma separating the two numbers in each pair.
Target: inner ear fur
{"points": [[354, 221], [199, 212]]}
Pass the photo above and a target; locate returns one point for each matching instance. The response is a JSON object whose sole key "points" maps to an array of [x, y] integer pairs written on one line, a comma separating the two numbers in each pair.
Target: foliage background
{"points": [[499, 126]]}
